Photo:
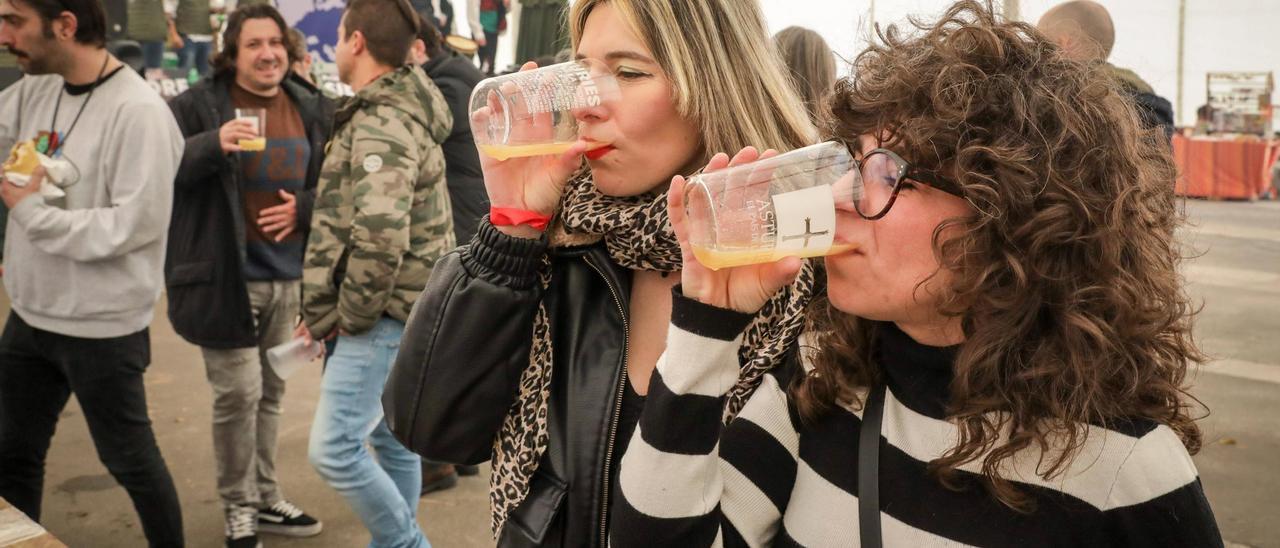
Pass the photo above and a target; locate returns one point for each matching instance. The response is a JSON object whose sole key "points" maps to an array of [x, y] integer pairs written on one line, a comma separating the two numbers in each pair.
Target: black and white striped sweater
{"points": [[767, 479]]}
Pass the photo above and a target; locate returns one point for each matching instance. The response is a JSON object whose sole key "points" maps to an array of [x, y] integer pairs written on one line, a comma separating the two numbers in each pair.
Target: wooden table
{"points": [[1224, 168], [15, 525]]}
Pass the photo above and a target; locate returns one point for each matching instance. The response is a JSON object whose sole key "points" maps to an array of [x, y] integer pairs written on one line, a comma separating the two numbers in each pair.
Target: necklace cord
{"points": [[58, 105]]}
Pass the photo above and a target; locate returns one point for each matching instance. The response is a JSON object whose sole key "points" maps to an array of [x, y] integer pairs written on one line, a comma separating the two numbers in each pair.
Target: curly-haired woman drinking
{"points": [[1008, 339]]}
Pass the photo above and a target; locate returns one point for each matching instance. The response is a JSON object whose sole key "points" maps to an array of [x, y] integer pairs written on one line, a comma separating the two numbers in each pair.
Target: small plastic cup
{"points": [[287, 358], [772, 208], [536, 112], [258, 116]]}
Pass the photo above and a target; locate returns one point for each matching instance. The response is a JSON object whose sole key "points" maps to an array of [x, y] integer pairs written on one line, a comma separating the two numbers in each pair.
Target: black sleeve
{"points": [[458, 97], [465, 345], [202, 157], [306, 204], [1156, 112], [324, 108]]}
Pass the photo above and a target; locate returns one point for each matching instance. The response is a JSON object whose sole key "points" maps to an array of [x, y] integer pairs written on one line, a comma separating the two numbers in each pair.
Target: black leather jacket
{"points": [[465, 346]]}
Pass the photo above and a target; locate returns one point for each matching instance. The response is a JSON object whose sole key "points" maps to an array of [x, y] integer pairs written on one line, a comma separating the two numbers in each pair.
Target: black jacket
{"points": [[1154, 111], [456, 77], [459, 366], [204, 276]]}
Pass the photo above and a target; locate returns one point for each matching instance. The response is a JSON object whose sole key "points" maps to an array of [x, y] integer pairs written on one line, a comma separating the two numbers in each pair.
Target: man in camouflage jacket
{"points": [[381, 220], [382, 214]]}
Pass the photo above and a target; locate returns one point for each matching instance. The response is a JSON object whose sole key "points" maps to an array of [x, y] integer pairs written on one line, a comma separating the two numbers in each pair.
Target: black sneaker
{"points": [[467, 469], [241, 529], [283, 518]]}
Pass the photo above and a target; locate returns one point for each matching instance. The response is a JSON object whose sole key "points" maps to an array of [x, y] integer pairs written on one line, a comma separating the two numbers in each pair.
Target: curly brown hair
{"points": [[1065, 279]]}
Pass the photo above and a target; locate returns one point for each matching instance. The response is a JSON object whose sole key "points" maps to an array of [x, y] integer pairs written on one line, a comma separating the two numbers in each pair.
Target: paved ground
{"points": [[1237, 276]]}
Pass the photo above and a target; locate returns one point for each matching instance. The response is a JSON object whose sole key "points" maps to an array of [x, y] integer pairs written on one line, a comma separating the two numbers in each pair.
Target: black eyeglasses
{"points": [[882, 172]]}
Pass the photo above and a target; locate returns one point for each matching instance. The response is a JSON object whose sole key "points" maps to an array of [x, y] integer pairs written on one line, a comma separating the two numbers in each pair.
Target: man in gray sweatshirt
{"points": [[83, 271]]}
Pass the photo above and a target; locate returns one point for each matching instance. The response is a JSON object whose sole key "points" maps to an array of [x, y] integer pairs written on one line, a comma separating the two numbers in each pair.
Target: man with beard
{"points": [[239, 230], [84, 261]]}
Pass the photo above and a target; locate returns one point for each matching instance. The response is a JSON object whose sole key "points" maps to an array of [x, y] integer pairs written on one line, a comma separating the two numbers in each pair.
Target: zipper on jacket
{"points": [[617, 407]]}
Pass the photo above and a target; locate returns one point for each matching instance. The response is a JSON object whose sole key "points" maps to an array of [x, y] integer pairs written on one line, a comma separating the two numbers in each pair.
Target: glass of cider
{"points": [[258, 117], [772, 208], [536, 112]]}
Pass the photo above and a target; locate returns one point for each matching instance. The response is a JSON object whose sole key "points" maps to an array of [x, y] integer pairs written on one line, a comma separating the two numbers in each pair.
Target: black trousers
{"points": [[39, 371], [488, 53]]}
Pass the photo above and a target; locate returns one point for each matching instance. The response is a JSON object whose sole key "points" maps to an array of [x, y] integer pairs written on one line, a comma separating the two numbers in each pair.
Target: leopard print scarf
{"points": [[638, 235]]}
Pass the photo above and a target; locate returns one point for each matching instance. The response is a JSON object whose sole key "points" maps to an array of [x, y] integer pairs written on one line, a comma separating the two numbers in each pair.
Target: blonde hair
{"points": [[812, 65], [724, 73]]}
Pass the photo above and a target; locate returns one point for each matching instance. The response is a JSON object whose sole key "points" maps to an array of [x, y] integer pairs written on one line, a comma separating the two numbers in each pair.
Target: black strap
{"points": [[58, 105], [869, 469]]}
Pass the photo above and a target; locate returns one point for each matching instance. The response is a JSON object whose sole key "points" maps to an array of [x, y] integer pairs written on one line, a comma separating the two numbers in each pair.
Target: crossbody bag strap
{"points": [[869, 469]]}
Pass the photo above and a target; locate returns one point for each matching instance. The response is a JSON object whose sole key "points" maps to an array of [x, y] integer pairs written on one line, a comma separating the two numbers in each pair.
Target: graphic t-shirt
{"points": [[281, 166]]}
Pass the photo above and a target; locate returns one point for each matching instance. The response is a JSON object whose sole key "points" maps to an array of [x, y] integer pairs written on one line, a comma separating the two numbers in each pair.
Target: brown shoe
{"points": [[438, 477]]}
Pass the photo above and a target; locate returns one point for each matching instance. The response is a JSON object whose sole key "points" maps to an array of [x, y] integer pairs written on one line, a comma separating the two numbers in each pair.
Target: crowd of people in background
{"points": [[1007, 336], [190, 30]]}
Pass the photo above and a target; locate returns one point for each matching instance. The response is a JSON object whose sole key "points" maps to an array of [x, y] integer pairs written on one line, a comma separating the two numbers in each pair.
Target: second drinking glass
{"points": [[772, 208]]}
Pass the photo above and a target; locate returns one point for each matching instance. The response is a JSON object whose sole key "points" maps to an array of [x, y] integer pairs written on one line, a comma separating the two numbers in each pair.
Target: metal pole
{"points": [[872, 26], [1182, 38], [1012, 10]]}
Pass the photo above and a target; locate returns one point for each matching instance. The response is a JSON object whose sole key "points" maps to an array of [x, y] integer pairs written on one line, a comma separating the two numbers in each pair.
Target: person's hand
{"points": [[533, 183], [230, 134], [301, 332], [744, 288], [282, 219], [480, 41], [13, 194]]}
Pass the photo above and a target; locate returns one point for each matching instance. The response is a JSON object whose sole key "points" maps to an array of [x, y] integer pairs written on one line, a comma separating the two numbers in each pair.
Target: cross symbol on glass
{"points": [[808, 232]]}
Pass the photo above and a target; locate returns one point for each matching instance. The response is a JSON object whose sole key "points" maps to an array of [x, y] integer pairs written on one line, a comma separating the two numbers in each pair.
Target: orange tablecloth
{"points": [[1217, 168]]}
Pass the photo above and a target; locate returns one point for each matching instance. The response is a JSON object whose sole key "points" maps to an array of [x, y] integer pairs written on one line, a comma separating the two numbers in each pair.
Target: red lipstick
{"points": [[598, 153]]}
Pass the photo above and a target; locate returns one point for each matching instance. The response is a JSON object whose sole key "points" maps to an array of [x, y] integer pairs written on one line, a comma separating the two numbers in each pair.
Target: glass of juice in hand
{"points": [[784, 206], [258, 117], [536, 112]]}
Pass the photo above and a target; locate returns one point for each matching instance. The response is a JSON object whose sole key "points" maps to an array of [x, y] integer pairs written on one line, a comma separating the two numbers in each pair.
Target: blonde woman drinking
{"points": [[535, 348]]}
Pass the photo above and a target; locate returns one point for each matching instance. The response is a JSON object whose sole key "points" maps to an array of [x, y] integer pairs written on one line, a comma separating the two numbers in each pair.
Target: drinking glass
{"points": [[258, 116], [287, 358], [535, 112], [777, 207]]}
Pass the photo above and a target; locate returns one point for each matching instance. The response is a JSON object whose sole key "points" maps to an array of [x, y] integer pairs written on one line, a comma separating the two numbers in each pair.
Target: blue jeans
{"points": [[194, 54], [383, 491], [153, 54]]}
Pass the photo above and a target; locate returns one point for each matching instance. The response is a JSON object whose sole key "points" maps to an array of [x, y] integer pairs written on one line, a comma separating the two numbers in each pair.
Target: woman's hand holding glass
{"points": [[744, 288], [533, 183]]}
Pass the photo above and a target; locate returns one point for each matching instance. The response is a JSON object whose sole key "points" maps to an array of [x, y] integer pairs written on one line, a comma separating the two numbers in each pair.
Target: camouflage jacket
{"points": [[382, 216]]}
